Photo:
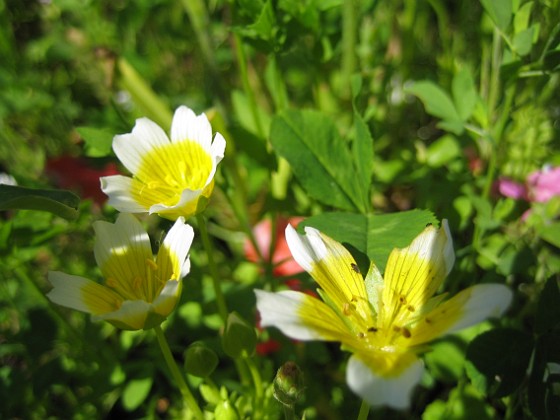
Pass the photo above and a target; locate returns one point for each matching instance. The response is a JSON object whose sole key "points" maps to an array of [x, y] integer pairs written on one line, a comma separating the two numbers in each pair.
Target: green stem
{"points": [[221, 302], [364, 411], [349, 35], [180, 381], [257, 381], [289, 413], [242, 63]]}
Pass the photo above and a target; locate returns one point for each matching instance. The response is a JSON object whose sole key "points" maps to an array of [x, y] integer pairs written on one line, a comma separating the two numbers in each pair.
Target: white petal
{"points": [[179, 239], [167, 299], [81, 294], [393, 391], [217, 151], [119, 190], [485, 301], [131, 148], [187, 126], [187, 196], [126, 235], [300, 247], [281, 310], [433, 243]]}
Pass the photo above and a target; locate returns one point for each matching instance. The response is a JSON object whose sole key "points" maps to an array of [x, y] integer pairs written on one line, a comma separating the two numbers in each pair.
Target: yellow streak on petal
{"points": [[412, 276], [319, 317], [100, 299], [338, 276], [166, 171], [387, 363]]}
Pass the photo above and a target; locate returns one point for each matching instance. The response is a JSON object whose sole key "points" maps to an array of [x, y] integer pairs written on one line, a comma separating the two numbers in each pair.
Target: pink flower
{"points": [[512, 189], [284, 264], [543, 185], [539, 187]]}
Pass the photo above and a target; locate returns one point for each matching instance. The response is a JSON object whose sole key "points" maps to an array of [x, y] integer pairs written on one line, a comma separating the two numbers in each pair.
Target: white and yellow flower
{"points": [[172, 178], [384, 321], [139, 291]]}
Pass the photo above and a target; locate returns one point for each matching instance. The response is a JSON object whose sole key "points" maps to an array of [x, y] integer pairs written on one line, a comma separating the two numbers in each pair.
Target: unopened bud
{"points": [[288, 384], [200, 360], [239, 337]]}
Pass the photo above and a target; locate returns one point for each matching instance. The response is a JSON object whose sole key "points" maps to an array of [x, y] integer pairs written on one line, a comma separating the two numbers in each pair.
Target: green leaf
{"points": [[372, 234], [437, 103], [135, 393], [463, 402], [551, 233], [494, 368], [319, 157], [523, 42], [548, 310], [443, 151], [500, 11], [59, 202], [464, 93], [522, 16], [98, 141]]}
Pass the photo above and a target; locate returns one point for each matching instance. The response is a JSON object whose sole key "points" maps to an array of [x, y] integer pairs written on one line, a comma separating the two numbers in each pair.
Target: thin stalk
{"points": [[349, 36], [180, 381], [221, 302], [289, 412], [242, 63], [364, 411], [256, 376]]}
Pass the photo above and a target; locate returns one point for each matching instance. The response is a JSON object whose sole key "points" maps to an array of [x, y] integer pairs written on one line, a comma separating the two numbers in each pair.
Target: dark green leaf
{"points": [[374, 235], [493, 367], [548, 309], [319, 157], [60, 202], [543, 399]]}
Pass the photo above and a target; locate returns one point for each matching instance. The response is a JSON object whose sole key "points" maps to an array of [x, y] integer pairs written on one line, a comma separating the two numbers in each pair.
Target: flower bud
{"points": [[288, 384], [239, 337], [200, 360]]}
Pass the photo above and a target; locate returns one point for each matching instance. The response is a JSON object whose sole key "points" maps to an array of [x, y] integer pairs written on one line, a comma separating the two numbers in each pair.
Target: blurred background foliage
{"points": [[455, 96]]}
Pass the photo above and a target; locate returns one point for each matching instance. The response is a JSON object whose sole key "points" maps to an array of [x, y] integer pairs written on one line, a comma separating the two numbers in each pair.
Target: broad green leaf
{"points": [[464, 93], [442, 151], [522, 16], [98, 141], [319, 157], [437, 103], [59, 202], [264, 25], [372, 234], [135, 393], [548, 310], [493, 367], [500, 12]]}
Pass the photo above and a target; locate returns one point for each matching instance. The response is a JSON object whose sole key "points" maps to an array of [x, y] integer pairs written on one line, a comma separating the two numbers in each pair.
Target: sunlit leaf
{"points": [[135, 393], [372, 234], [319, 157], [500, 12], [98, 141]]}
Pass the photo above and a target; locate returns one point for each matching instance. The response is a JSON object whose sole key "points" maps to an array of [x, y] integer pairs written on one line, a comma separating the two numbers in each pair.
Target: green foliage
{"points": [[368, 119]]}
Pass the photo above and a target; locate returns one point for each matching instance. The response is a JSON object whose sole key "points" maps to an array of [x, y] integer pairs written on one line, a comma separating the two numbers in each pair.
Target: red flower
{"points": [[284, 264], [74, 173]]}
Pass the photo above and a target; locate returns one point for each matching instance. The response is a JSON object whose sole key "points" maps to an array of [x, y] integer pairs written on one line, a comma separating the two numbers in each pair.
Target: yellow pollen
{"points": [[406, 333], [151, 264], [136, 283], [111, 282]]}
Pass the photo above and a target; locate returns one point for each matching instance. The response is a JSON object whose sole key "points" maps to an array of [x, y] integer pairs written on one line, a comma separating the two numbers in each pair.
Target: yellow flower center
{"points": [[165, 172]]}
